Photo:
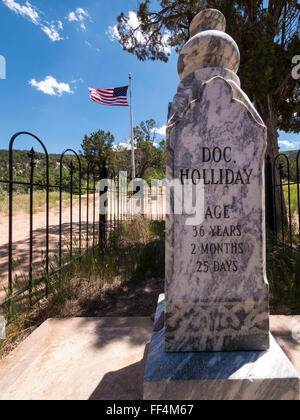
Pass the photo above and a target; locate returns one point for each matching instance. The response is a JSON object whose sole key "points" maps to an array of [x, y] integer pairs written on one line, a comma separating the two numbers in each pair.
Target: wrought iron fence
{"points": [[85, 228], [283, 198], [92, 235], [81, 226]]}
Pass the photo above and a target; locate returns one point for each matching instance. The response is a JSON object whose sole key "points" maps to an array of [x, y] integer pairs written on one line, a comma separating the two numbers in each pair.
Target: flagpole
{"points": [[131, 125]]}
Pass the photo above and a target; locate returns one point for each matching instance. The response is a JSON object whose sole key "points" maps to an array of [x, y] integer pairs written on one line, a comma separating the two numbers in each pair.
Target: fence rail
{"points": [[86, 227], [283, 198], [31, 184]]}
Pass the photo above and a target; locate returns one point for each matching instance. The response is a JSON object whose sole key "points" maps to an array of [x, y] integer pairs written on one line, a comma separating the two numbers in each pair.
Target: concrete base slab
{"points": [[102, 359], [267, 375], [79, 359]]}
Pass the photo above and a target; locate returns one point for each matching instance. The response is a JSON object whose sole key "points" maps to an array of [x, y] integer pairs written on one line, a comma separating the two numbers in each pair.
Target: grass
{"points": [[124, 281], [283, 273], [22, 202], [294, 198]]}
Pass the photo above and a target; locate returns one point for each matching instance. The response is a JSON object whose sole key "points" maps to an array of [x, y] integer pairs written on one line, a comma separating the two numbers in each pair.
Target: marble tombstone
{"points": [[215, 273], [215, 338]]}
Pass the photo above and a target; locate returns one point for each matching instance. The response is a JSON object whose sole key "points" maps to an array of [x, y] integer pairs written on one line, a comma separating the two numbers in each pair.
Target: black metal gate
{"points": [[93, 231], [283, 198]]}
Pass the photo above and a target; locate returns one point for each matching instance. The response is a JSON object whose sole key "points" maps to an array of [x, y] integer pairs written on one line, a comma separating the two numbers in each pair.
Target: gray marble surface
{"points": [[229, 301], [203, 51], [216, 271], [207, 19], [265, 375], [209, 45]]}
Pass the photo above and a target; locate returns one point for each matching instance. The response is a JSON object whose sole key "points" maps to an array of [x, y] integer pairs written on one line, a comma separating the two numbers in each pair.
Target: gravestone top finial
{"points": [[209, 45], [208, 19]]}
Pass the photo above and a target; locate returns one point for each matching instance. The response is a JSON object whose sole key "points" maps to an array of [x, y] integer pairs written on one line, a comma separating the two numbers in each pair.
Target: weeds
{"points": [[126, 279], [132, 267], [283, 272], [293, 197]]}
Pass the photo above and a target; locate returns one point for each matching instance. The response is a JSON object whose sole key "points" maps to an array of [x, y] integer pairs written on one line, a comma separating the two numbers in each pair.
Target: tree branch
{"points": [[283, 84]]}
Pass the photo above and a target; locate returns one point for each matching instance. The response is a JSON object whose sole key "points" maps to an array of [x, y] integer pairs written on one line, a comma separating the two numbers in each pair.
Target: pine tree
{"points": [[268, 38]]}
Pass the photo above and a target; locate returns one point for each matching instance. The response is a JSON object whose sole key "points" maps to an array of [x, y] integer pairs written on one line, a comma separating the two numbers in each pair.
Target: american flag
{"points": [[113, 97]]}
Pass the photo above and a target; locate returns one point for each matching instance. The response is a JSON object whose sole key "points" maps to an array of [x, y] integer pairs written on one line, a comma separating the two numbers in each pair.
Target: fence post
{"points": [[33, 157], [94, 208], [269, 195], [71, 171], [103, 217]]}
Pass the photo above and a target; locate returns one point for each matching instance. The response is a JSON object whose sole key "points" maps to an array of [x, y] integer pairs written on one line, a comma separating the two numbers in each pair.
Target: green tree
{"points": [[122, 161], [148, 157], [268, 38], [98, 147]]}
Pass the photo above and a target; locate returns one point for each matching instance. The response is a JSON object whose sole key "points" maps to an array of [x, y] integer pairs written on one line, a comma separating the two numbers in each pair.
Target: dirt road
{"points": [[21, 241], [21, 237]]}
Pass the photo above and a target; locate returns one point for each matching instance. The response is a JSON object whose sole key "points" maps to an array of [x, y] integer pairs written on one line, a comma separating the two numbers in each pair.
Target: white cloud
{"points": [[52, 32], [79, 15], [287, 144], [50, 86], [132, 24], [126, 146], [113, 33], [161, 131], [74, 81], [30, 12], [82, 14], [72, 17]]}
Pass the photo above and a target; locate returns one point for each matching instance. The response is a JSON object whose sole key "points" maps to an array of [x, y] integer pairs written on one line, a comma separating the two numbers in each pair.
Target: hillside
{"points": [[21, 169], [292, 157], [291, 154]]}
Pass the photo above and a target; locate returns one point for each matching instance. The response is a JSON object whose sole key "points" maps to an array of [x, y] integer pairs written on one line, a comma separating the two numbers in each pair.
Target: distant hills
{"points": [[291, 154], [292, 158], [21, 166], [21, 169], [21, 162]]}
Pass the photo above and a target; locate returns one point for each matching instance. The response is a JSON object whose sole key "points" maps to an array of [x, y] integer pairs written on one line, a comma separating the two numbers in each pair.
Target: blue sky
{"points": [[54, 51]]}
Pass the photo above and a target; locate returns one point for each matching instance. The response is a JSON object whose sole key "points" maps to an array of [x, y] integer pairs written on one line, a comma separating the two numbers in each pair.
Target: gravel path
{"points": [[21, 237]]}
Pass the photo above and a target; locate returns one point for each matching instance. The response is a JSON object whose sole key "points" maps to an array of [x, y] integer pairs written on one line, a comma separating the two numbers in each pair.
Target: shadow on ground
{"points": [[21, 250], [123, 384]]}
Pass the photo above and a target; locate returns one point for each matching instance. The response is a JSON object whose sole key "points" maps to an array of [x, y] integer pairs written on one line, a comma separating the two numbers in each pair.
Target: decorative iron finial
{"points": [[71, 167], [33, 157]]}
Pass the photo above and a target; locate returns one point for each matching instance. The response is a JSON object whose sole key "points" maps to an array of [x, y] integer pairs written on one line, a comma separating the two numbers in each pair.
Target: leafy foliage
{"points": [[292, 159], [268, 38], [283, 273], [148, 156], [21, 171], [96, 148]]}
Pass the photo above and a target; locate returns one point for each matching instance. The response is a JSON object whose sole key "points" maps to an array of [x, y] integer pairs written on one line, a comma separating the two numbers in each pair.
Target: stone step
{"points": [[78, 359], [95, 358]]}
